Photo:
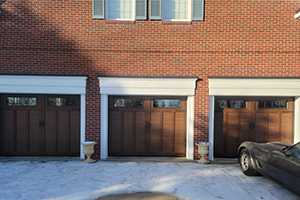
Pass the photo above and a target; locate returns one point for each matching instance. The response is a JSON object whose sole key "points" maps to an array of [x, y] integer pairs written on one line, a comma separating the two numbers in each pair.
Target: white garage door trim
{"points": [[253, 87], [49, 84], [148, 86]]}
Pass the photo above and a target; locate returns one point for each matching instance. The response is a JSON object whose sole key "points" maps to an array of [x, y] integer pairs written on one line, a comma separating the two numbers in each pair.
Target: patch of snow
{"points": [[80, 181]]}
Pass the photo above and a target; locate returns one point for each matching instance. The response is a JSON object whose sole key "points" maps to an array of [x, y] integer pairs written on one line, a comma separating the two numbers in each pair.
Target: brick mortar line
{"points": [[68, 51]]}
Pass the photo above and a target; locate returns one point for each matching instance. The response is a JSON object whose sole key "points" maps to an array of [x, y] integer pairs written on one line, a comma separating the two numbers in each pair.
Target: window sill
{"points": [[176, 22], [119, 22]]}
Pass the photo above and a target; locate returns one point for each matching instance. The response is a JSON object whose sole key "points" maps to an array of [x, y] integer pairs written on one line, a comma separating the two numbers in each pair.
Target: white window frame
{"points": [[106, 11], [189, 12]]}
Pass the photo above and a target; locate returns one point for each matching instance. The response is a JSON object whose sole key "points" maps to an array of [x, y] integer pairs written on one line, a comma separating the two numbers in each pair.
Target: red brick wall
{"points": [[237, 38]]}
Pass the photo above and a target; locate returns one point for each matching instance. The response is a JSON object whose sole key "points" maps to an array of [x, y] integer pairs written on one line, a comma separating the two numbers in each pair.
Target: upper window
{"points": [[120, 9], [170, 10], [167, 10], [177, 10]]}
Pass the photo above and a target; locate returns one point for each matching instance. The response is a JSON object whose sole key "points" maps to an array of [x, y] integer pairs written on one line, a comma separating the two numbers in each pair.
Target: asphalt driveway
{"points": [[79, 181]]}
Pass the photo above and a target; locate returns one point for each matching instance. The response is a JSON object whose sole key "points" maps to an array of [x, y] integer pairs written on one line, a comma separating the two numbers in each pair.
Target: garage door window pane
{"points": [[222, 103], [128, 103], [21, 101], [231, 104], [167, 103], [276, 104], [63, 102], [237, 104]]}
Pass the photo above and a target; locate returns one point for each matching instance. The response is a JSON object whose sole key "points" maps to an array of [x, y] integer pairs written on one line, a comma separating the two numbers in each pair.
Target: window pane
{"points": [[140, 9], [155, 9], [175, 9], [167, 103], [98, 7], [120, 9], [280, 104], [128, 103], [261, 104], [198, 9], [268, 104], [63, 102], [21, 101]]}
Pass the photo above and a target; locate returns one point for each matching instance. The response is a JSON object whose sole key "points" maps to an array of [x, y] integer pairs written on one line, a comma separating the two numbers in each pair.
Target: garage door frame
{"points": [[49, 84], [148, 86], [253, 87]]}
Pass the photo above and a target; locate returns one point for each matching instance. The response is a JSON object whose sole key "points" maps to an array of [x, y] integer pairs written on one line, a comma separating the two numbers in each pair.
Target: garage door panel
{"points": [[140, 132], [115, 132], [50, 132], [35, 134], [21, 131], [180, 132], [219, 135], [232, 132], [260, 127], [128, 133], [244, 127], [155, 132], [273, 134], [286, 127], [63, 131], [8, 143], [75, 132], [168, 132]]}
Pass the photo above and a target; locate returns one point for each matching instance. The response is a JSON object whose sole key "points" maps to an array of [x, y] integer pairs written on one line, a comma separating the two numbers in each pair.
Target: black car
{"points": [[277, 160]]}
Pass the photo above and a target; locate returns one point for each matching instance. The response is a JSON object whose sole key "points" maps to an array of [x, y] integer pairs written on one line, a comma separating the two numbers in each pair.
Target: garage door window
{"points": [[167, 103], [63, 102], [21, 101], [231, 104], [277, 104], [128, 103]]}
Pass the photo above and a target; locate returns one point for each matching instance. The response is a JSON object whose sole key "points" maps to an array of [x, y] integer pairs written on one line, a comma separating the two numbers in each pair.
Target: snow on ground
{"points": [[79, 181]]}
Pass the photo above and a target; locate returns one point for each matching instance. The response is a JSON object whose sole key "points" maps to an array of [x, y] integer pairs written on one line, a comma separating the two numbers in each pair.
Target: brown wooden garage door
{"points": [[262, 120], [141, 126], [35, 125]]}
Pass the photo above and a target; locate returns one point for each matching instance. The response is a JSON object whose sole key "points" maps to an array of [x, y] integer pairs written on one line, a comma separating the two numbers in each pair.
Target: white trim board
{"points": [[148, 86], [43, 84], [253, 87]]}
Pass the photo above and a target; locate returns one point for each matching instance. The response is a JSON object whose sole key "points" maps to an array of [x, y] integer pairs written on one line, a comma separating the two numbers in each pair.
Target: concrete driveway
{"points": [[185, 180]]}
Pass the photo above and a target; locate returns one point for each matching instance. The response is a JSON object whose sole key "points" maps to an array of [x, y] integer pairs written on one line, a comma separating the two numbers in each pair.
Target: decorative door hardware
{"points": [[41, 123], [252, 126], [148, 125]]}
